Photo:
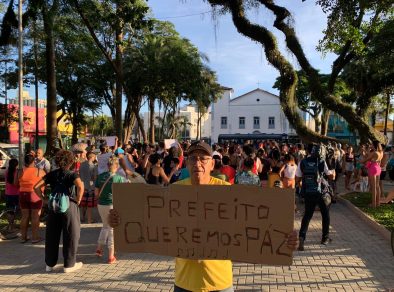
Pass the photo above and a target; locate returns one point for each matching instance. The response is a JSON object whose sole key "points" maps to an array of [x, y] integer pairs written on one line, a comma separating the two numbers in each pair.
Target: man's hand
{"points": [[292, 240], [113, 218]]}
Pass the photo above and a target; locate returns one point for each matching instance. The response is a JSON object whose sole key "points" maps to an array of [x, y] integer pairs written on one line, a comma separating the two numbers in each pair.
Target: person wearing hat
{"points": [[202, 275]]}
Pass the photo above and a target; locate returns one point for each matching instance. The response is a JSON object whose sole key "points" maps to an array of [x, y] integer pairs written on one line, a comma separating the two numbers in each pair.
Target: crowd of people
{"points": [[81, 180]]}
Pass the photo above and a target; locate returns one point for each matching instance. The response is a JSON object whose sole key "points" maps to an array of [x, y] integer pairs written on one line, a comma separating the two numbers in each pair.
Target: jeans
{"points": [[106, 236], [179, 289], [310, 204], [68, 223]]}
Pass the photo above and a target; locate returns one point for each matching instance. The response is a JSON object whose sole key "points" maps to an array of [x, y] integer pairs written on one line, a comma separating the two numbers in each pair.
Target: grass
{"points": [[384, 214]]}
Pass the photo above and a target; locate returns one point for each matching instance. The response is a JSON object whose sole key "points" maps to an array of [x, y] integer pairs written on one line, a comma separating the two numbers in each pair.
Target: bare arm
{"points": [[80, 188], [164, 177], [369, 156], [38, 188], [180, 150], [96, 193]]}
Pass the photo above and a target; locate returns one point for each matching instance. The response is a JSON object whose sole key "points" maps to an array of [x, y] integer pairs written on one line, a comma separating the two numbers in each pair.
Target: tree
{"points": [[165, 68], [347, 48], [116, 17]]}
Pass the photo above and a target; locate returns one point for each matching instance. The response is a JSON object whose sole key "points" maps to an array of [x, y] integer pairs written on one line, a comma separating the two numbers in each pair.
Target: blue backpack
{"points": [[59, 199]]}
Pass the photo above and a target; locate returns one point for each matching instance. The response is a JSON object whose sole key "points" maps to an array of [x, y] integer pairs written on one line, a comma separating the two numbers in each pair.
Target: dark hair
{"points": [[64, 159], [175, 160], [218, 161], [310, 148], [376, 144], [248, 163], [275, 154], [173, 152], [161, 144], [289, 157], [226, 160], [154, 158], [248, 149], [29, 159], [12, 164]]}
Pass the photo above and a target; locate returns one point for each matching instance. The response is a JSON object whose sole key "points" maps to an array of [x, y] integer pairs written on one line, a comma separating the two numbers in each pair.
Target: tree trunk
{"points": [[317, 123], [387, 112], [141, 128], [74, 137], [51, 121], [128, 128], [324, 121], [152, 120], [119, 84]]}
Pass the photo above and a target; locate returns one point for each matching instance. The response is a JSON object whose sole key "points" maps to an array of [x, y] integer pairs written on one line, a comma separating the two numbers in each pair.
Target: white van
{"points": [[7, 151]]}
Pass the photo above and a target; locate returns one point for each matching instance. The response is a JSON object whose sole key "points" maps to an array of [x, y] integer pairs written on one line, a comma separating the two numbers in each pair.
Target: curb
{"points": [[367, 219]]}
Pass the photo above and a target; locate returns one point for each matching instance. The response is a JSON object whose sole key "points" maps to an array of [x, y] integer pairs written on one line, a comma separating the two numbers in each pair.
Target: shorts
{"points": [[30, 200], [349, 166], [12, 202], [88, 200], [383, 174]]}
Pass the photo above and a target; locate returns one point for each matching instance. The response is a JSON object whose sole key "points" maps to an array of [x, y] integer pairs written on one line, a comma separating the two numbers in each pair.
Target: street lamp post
{"points": [[20, 81]]}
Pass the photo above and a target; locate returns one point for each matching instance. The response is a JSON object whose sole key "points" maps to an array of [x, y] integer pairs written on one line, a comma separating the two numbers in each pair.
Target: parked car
{"points": [[7, 151]]}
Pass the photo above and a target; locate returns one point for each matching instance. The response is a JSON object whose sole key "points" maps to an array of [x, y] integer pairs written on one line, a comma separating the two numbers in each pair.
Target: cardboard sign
{"points": [[241, 223], [168, 143], [110, 140]]}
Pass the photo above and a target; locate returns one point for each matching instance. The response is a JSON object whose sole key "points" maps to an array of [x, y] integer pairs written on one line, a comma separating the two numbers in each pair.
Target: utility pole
{"points": [[36, 83], [20, 82]]}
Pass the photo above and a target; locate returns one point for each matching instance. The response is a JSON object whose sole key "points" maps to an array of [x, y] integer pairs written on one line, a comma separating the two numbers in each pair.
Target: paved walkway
{"points": [[358, 259]]}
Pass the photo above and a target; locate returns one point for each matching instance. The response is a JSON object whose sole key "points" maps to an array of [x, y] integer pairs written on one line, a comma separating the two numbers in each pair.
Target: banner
{"points": [[238, 222], [168, 143]]}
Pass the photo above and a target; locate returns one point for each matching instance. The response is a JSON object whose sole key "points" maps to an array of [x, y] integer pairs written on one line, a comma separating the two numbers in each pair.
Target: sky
{"points": [[239, 62]]}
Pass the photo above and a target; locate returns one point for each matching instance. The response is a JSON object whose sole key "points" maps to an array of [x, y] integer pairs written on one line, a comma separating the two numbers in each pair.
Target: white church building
{"points": [[257, 111]]}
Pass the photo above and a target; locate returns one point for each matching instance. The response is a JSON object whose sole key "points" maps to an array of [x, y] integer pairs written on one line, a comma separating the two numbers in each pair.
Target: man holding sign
{"points": [[203, 275]]}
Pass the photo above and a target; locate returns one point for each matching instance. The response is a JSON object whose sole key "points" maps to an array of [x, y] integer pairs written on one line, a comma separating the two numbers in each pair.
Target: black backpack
{"points": [[312, 169]]}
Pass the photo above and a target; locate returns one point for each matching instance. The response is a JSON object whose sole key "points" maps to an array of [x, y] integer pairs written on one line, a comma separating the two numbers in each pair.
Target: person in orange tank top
{"points": [[29, 201]]}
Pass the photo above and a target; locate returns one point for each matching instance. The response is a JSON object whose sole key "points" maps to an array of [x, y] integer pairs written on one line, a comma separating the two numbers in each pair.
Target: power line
{"points": [[187, 15]]}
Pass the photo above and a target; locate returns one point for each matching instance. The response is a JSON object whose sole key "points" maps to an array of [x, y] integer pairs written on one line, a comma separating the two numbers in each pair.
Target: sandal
{"points": [[112, 260], [37, 240], [99, 253], [24, 240]]}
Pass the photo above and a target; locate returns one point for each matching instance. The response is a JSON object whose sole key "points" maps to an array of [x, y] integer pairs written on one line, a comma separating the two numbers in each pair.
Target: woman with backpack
{"points": [[29, 202], [63, 214]]}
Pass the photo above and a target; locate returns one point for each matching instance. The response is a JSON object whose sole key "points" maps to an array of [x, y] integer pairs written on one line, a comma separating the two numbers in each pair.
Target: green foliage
{"points": [[100, 125], [384, 214], [352, 21]]}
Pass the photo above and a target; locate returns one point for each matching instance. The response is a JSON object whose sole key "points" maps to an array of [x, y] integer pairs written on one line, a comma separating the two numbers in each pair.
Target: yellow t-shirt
{"points": [[203, 275]]}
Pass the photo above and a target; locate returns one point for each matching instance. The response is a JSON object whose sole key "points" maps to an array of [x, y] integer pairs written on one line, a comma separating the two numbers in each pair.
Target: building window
{"points": [[271, 123], [242, 122], [223, 123], [256, 122]]}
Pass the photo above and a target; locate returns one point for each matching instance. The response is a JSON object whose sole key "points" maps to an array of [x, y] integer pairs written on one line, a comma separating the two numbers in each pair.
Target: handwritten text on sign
{"points": [[241, 223]]}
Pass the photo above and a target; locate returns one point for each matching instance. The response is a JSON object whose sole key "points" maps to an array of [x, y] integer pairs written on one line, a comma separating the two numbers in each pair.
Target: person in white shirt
{"points": [[41, 162], [102, 159]]}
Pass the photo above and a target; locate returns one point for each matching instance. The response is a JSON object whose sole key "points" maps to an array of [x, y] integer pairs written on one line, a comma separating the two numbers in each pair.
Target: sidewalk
{"points": [[358, 259]]}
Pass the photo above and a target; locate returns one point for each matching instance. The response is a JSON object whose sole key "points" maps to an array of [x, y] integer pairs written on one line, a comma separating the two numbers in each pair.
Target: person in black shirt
{"points": [[67, 223]]}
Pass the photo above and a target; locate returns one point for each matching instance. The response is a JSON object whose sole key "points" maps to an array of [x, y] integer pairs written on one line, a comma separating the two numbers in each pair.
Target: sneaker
{"points": [[99, 252], [112, 260], [77, 266], [48, 269], [326, 241], [301, 244]]}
